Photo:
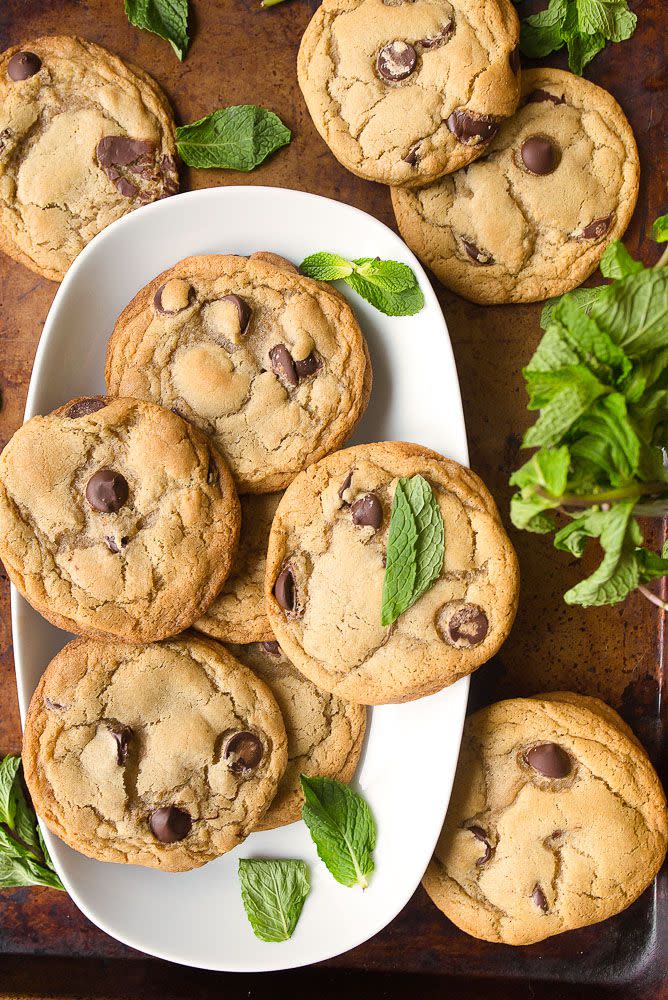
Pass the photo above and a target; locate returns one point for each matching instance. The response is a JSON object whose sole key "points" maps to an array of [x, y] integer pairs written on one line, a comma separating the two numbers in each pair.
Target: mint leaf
{"points": [[430, 546], [617, 574], [660, 229], [384, 297], [617, 262], [166, 18], [24, 860], [390, 275], [273, 894], [582, 49], [634, 311], [325, 267], [9, 767], [235, 138], [583, 25], [542, 480], [562, 397], [541, 33], [583, 297], [650, 565], [593, 345], [606, 438], [342, 827]]}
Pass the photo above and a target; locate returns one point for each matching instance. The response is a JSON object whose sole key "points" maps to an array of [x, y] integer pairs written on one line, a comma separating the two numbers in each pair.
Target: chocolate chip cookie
{"points": [[533, 217], [238, 613], [404, 92], [117, 518], [164, 755], [84, 139], [326, 566], [271, 364], [325, 734], [557, 820]]}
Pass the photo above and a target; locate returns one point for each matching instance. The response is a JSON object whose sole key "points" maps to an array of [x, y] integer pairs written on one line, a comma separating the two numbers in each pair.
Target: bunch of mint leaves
{"points": [[24, 859], [599, 378], [584, 26]]}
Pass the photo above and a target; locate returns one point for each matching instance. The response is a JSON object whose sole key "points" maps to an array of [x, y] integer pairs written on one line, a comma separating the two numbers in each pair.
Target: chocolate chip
{"points": [[594, 230], [170, 824], [478, 256], [134, 155], [243, 752], [445, 33], [480, 835], [549, 759], [514, 59], [111, 544], [271, 647], [283, 366], [536, 96], [23, 65], [367, 511], [539, 155], [107, 491], [285, 591], [396, 61], [308, 366], [345, 485], [538, 896], [413, 155], [468, 625], [126, 187], [52, 705], [472, 130], [122, 735], [243, 310], [180, 304], [82, 407]]}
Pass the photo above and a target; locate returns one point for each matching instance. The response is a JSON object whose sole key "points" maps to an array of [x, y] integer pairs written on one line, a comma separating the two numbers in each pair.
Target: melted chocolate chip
{"points": [[367, 511], [82, 407], [549, 759], [122, 735], [536, 96], [107, 491], [271, 647], [308, 366], [285, 590], [345, 485], [23, 65], [52, 705], [396, 61], [514, 59], [595, 229], [243, 752], [111, 544], [477, 255], [283, 365], [413, 155], [472, 130], [243, 310], [157, 302], [118, 153], [480, 835], [539, 155], [170, 824], [468, 625], [538, 896], [441, 36]]}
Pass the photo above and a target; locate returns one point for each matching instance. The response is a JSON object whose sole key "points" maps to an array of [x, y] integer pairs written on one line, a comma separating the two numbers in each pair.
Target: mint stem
{"points": [[606, 496], [646, 592], [663, 259], [270, 3]]}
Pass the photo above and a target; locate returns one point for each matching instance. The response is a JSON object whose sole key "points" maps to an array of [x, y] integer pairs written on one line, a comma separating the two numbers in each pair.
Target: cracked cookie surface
{"points": [[271, 364], [84, 139], [325, 733], [532, 218], [164, 755], [117, 518], [557, 820], [238, 613], [326, 565], [405, 92]]}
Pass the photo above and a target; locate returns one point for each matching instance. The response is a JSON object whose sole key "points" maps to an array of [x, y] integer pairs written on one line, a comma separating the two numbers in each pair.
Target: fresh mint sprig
{"points": [[342, 827], [235, 138], [24, 859], [273, 892], [387, 284], [166, 18], [584, 26], [599, 378]]}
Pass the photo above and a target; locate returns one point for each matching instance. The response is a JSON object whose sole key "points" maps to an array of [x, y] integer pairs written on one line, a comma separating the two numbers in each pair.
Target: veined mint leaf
{"points": [[273, 894], [617, 262], [391, 275], [617, 574], [582, 48], [430, 546], [342, 827], [583, 297], [9, 767], [166, 18], [660, 229], [386, 299], [24, 860], [562, 397], [606, 438], [634, 311], [541, 33], [650, 565], [235, 138], [548, 468], [594, 347], [325, 267]]}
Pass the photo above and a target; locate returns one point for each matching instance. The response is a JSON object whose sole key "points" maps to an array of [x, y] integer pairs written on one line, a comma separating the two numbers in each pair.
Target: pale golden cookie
{"points": [[84, 139], [533, 217], [325, 734], [117, 518], [326, 566], [268, 362], [557, 820], [164, 755]]}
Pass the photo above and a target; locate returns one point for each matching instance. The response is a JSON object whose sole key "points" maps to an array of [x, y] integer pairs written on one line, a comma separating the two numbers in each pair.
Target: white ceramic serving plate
{"points": [[406, 774]]}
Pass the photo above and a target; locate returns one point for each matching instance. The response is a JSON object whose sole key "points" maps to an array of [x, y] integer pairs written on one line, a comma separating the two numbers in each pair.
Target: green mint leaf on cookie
{"points": [[390, 286], [660, 229], [415, 547], [166, 18], [24, 860], [236, 138], [273, 894], [342, 827]]}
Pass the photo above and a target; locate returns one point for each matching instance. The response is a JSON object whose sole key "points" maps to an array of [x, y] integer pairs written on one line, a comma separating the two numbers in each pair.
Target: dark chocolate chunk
{"points": [[107, 491], [52, 705], [595, 229], [271, 647], [126, 187], [367, 511], [285, 591], [243, 310], [122, 735], [170, 824], [308, 366], [82, 407], [396, 61], [345, 485], [480, 835], [23, 65], [468, 625], [477, 255], [413, 155], [536, 96], [514, 59], [283, 366], [539, 155], [441, 36], [243, 752], [549, 759], [538, 896], [137, 156], [111, 544], [472, 130], [157, 302]]}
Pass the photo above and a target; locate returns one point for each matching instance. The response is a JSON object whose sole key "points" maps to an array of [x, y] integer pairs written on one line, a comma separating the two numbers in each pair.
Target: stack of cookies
{"points": [[150, 522], [507, 184]]}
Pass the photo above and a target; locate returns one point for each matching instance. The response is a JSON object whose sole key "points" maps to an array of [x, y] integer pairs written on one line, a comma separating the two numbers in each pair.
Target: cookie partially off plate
{"points": [[197, 917]]}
